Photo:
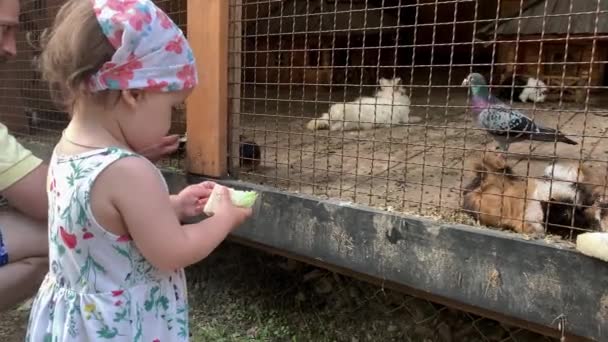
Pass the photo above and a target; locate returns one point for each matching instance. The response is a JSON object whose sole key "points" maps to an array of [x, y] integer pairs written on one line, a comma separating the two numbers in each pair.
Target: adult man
{"points": [[23, 233]]}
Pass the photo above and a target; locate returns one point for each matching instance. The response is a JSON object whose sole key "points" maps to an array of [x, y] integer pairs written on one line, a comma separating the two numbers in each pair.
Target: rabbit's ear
{"points": [[397, 80], [384, 82]]}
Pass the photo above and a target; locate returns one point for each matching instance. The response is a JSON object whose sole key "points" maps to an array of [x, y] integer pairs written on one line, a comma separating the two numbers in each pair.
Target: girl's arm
{"points": [[146, 209], [191, 200], [177, 208]]}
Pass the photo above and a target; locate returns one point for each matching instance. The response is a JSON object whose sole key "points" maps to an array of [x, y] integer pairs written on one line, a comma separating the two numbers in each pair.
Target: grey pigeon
{"points": [[503, 123]]}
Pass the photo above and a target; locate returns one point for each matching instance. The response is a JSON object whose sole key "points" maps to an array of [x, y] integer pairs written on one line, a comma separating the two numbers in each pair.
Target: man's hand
{"points": [[166, 146]]}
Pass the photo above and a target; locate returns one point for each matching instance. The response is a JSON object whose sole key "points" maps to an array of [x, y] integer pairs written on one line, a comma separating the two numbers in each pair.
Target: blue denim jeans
{"points": [[3, 252]]}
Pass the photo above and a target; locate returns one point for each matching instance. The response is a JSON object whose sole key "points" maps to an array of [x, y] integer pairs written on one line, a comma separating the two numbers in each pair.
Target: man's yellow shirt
{"points": [[15, 160]]}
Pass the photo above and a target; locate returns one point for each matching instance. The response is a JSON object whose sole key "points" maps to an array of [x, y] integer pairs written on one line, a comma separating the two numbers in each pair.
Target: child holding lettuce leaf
{"points": [[117, 248]]}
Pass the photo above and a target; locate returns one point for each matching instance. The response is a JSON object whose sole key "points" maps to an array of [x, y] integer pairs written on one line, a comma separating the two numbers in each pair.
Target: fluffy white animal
{"points": [[523, 88], [587, 188], [389, 106], [535, 91]]}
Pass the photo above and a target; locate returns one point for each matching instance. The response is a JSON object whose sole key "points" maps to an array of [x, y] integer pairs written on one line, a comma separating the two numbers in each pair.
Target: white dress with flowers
{"points": [[99, 286]]}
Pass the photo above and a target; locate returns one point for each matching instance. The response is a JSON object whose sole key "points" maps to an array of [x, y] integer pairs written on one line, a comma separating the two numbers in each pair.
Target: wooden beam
{"points": [[207, 106], [234, 74]]}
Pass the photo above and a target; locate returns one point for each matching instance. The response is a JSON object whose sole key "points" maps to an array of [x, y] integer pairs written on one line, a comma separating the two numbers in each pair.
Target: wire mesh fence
{"points": [[26, 106], [367, 101]]}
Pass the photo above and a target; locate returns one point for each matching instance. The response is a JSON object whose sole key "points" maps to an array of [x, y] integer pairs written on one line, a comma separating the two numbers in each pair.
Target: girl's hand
{"points": [[234, 215], [149, 215], [191, 201]]}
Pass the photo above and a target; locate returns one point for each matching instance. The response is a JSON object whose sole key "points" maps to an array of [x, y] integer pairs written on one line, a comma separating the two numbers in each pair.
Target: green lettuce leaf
{"points": [[244, 199]]}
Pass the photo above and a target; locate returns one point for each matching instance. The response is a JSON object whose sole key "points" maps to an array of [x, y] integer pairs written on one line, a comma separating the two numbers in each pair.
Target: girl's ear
{"points": [[132, 97]]}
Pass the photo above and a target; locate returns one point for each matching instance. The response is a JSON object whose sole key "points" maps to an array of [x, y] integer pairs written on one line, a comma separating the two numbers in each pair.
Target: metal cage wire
{"points": [[293, 61]]}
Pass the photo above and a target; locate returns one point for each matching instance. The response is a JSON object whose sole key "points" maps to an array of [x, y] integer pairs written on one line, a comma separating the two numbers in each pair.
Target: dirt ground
{"points": [[240, 294]]}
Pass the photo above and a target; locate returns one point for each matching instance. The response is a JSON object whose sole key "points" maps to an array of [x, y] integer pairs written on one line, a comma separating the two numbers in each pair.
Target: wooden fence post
{"points": [[207, 106], [234, 79]]}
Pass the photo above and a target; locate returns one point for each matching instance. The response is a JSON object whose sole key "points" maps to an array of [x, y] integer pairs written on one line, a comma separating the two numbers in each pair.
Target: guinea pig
{"points": [[250, 154]]}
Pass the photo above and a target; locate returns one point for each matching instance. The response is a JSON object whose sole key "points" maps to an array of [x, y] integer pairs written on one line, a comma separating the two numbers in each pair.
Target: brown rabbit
{"points": [[497, 198], [567, 196]]}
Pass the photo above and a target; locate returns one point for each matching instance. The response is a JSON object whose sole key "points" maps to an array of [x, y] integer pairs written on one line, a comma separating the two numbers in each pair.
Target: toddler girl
{"points": [[116, 246]]}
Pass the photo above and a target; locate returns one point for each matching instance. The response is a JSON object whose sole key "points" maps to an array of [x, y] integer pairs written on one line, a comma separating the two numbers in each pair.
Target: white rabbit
{"points": [[389, 106], [535, 91]]}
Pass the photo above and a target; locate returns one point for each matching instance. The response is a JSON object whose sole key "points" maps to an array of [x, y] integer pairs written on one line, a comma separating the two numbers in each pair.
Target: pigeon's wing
{"points": [[506, 122]]}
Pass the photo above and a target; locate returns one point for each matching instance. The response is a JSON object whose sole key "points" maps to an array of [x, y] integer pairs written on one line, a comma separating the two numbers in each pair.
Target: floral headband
{"points": [[151, 51]]}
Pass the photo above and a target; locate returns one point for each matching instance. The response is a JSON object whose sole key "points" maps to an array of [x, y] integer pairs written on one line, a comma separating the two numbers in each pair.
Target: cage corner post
{"points": [[235, 82], [207, 106]]}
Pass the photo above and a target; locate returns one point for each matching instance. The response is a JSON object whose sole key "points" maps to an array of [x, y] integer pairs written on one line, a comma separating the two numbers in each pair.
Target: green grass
{"points": [[239, 294]]}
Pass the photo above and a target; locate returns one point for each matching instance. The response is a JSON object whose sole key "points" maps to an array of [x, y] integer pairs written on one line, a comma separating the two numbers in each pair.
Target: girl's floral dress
{"points": [[99, 287]]}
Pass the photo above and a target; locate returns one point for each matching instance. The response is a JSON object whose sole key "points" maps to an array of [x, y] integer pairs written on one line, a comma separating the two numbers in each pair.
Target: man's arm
{"points": [[22, 177], [28, 195], [165, 147]]}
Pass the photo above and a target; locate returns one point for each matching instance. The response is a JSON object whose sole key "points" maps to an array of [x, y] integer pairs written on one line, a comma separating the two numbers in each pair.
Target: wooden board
{"points": [[207, 106], [235, 71]]}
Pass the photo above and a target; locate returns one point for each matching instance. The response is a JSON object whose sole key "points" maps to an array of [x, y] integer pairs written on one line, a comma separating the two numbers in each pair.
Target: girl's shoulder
{"points": [[89, 164], [120, 164], [110, 153]]}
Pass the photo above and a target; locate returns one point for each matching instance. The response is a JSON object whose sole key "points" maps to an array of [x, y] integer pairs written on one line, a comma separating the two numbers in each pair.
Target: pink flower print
{"points": [[156, 340], [133, 63], [116, 39], [124, 238], [175, 45], [129, 11], [118, 78], [108, 66], [87, 235], [117, 293], [68, 239], [165, 21], [121, 5], [187, 75], [156, 86], [118, 303], [138, 19], [110, 76]]}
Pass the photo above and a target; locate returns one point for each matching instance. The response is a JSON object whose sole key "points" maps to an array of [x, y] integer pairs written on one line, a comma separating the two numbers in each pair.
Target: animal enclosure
{"points": [[376, 149], [297, 61]]}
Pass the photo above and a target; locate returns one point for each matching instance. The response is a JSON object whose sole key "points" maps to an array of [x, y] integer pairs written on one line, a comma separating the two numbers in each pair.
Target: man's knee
{"points": [[21, 280], [33, 269], [38, 265], [11, 217], [23, 237]]}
